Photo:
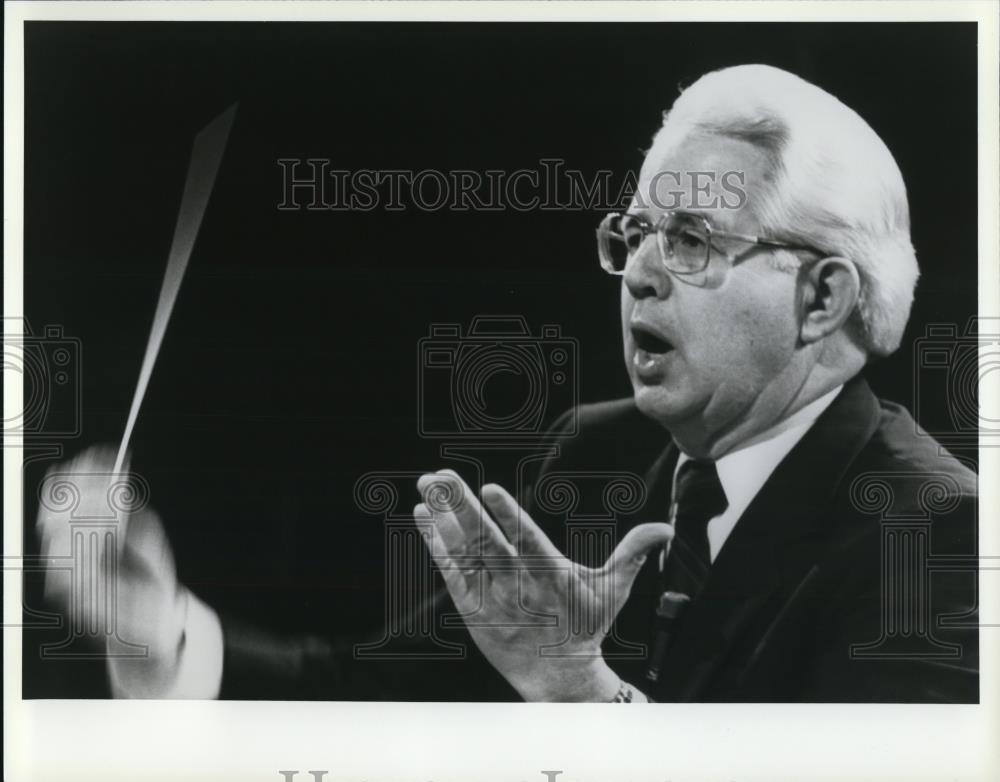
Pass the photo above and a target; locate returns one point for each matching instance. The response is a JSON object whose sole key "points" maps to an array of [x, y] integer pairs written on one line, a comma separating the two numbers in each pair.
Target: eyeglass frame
{"points": [[647, 228]]}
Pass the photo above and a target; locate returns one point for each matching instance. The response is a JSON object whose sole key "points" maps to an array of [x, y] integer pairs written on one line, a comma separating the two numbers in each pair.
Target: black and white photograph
{"points": [[455, 363]]}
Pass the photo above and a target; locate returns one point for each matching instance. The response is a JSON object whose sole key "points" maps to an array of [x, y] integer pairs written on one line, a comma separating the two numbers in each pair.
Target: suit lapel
{"points": [[765, 555]]}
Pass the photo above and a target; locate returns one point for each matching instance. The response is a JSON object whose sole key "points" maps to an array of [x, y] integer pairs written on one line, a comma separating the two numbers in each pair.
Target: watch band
{"points": [[625, 694]]}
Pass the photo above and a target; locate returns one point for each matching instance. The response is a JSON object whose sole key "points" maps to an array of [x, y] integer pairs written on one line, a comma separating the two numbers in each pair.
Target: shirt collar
{"points": [[742, 472]]}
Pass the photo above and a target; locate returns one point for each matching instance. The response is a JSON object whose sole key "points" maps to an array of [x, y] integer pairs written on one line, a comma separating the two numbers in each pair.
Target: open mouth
{"points": [[652, 354], [650, 343]]}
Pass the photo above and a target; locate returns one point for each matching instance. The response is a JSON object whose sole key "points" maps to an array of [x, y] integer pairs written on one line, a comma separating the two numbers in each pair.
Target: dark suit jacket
{"points": [[850, 577]]}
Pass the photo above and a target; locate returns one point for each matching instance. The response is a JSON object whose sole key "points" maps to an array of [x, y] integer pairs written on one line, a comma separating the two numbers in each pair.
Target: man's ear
{"points": [[831, 290]]}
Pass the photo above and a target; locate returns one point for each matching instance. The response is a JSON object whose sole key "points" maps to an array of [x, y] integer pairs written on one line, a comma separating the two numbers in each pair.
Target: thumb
{"points": [[630, 555]]}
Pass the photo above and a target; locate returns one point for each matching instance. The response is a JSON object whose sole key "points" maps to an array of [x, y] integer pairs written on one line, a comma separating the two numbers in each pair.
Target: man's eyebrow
{"points": [[652, 217], [640, 211], [694, 213], [715, 220], [647, 211]]}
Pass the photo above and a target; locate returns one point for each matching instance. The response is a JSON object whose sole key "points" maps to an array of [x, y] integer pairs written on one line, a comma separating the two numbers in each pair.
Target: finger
{"points": [[439, 548], [452, 535], [630, 555], [99, 458], [80, 488], [77, 475], [526, 536], [77, 488], [471, 515], [456, 583], [447, 495], [450, 538]]}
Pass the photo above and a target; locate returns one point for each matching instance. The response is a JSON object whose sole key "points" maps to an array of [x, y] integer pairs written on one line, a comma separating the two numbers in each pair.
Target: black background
{"points": [[290, 365]]}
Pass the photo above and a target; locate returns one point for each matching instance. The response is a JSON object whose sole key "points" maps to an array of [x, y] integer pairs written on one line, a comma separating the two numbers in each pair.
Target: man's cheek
{"points": [[711, 347]]}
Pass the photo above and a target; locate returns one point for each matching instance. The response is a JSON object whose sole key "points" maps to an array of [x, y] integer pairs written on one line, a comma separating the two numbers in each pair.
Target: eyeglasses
{"points": [[685, 241]]}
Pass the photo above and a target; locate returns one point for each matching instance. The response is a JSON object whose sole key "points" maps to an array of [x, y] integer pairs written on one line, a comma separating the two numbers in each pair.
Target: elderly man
{"points": [[756, 567], [745, 330]]}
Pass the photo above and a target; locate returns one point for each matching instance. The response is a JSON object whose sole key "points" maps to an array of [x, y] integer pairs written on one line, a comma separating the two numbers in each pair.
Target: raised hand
{"points": [[538, 618], [130, 591]]}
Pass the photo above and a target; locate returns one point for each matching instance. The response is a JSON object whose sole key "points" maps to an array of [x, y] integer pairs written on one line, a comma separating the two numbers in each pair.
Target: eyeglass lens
{"points": [[683, 241]]}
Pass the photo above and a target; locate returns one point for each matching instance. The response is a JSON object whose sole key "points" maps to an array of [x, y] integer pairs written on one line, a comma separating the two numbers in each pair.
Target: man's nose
{"points": [[645, 275]]}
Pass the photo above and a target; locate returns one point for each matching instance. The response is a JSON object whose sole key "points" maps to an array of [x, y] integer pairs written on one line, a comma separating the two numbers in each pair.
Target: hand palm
{"points": [[538, 618]]}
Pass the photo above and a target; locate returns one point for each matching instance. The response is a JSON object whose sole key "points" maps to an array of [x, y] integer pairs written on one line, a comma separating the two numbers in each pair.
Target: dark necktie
{"points": [[698, 498]]}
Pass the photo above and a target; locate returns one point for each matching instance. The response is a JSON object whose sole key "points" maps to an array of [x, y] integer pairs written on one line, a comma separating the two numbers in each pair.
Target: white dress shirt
{"points": [[742, 473]]}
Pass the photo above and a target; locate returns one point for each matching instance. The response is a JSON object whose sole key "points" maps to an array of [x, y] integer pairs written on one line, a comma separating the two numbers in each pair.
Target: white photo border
{"points": [[404, 742]]}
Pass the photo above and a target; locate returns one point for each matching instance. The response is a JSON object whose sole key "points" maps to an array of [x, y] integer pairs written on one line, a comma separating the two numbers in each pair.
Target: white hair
{"points": [[835, 185]]}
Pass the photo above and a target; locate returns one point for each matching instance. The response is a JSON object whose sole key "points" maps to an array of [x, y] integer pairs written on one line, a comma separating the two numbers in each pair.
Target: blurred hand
{"points": [[148, 608], [504, 575]]}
